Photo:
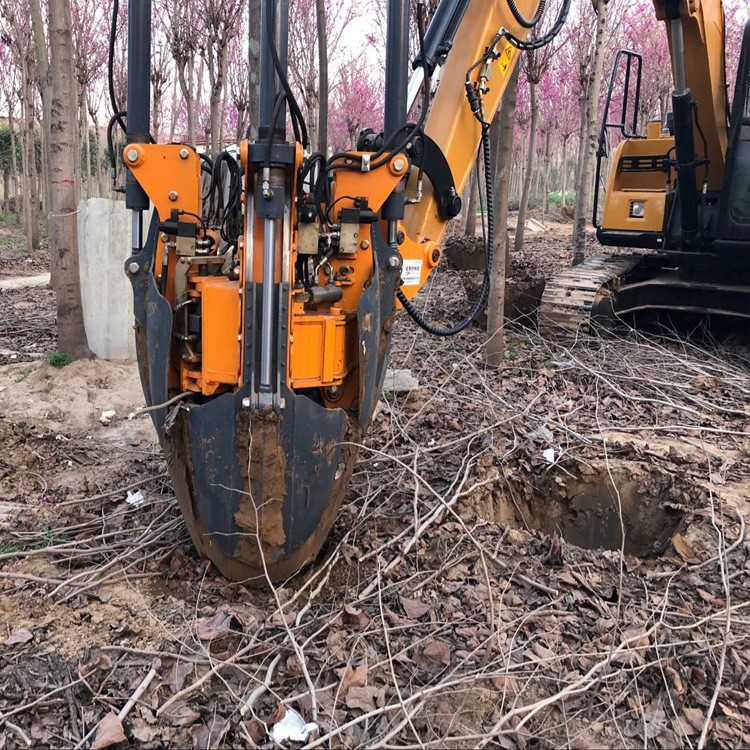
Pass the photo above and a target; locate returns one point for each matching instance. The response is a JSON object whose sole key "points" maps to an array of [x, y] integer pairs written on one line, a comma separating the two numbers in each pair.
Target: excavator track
{"points": [[573, 299]]}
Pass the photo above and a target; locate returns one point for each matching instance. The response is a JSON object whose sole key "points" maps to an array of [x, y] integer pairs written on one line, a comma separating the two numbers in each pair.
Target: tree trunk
{"points": [[63, 238], [545, 179], [86, 148], [175, 112], [43, 185], [216, 98], [320, 9], [30, 196], [523, 207], [564, 176], [13, 160], [241, 113], [253, 108], [98, 154], [43, 67], [588, 138], [471, 208], [185, 78], [502, 148]]}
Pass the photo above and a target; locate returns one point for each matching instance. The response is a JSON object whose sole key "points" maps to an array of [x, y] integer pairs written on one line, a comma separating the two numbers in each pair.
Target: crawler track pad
{"points": [[257, 502]]}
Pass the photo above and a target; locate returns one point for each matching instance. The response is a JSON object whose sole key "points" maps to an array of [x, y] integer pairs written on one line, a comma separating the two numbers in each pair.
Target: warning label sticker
{"points": [[503, 62], [411, 273]]}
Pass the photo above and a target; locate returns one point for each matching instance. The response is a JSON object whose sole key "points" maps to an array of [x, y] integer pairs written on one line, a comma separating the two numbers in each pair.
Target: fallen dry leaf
{"points": [[277, 715], [692, 721], [684, 549], [209, 737], [19, 636], [181, 715], [355, 617], [109, 732], [211, 628], [142, 731], [256, 730], [176, 675], [353, 677], [414, 608], [436, 653], [362, 698]]}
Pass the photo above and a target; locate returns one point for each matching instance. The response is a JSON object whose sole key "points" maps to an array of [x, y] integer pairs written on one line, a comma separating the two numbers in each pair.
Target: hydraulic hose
{"points": [[527, 23], [544, 40], [484, 294], [298, 121]]}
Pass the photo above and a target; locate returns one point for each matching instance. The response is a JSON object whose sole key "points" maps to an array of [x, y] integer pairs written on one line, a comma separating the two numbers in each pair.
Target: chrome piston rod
{"points": [[268, 318]]}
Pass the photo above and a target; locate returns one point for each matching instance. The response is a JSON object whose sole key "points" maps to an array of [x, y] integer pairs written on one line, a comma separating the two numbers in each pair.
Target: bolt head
{"points": [[399, 164], [435, 255], [364, 244], [132, 155], [133, 268], [173, 196], [394, 262], [184, 153]]}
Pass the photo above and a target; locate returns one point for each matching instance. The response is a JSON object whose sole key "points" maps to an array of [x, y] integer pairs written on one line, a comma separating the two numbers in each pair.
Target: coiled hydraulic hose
{"points": [[484, 294], [545, 39], [527, 23]]}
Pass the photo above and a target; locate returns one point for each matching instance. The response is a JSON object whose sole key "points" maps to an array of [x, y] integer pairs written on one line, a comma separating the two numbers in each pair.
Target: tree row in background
{"points": [[204, 89]]}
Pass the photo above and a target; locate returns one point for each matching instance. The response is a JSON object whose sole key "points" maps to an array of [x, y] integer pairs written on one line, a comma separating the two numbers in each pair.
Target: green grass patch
{"points": [[7, 548], [556, 198], [58, 359], [10, 219]]}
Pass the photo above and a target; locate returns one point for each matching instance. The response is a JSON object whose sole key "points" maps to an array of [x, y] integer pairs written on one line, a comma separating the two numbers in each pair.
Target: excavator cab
{"points": [[641, 180]]}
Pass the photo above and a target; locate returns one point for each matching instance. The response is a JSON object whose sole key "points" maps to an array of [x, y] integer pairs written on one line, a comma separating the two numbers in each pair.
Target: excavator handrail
{"points": [[602, 149]]}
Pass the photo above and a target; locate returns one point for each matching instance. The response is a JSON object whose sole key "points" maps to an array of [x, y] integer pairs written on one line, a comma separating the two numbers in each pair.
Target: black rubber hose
{"points": [[111, 65], [277, 107], [484, 294], [294, 110], [542, 41], [527, 23]]}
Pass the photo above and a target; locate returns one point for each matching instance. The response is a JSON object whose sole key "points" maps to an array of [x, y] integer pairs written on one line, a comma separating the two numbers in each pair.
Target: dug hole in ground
{"points": [[463, 598]]}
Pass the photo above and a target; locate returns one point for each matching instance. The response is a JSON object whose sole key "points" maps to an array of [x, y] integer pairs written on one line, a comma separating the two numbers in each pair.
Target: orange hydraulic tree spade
{"points": [[265, 286]]}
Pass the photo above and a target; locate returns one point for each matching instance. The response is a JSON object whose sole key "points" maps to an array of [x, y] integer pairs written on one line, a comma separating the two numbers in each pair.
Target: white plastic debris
{"points": [[550, 456], [292, 728], [107, 416], [136, 498]]}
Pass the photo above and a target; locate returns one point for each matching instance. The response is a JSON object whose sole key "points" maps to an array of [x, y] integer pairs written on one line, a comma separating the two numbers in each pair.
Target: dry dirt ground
{"points": [[461, 600]]}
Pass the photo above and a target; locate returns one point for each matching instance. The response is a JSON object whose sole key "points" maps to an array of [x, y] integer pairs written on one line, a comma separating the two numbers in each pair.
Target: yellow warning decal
{"points": [[503, 62]]}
